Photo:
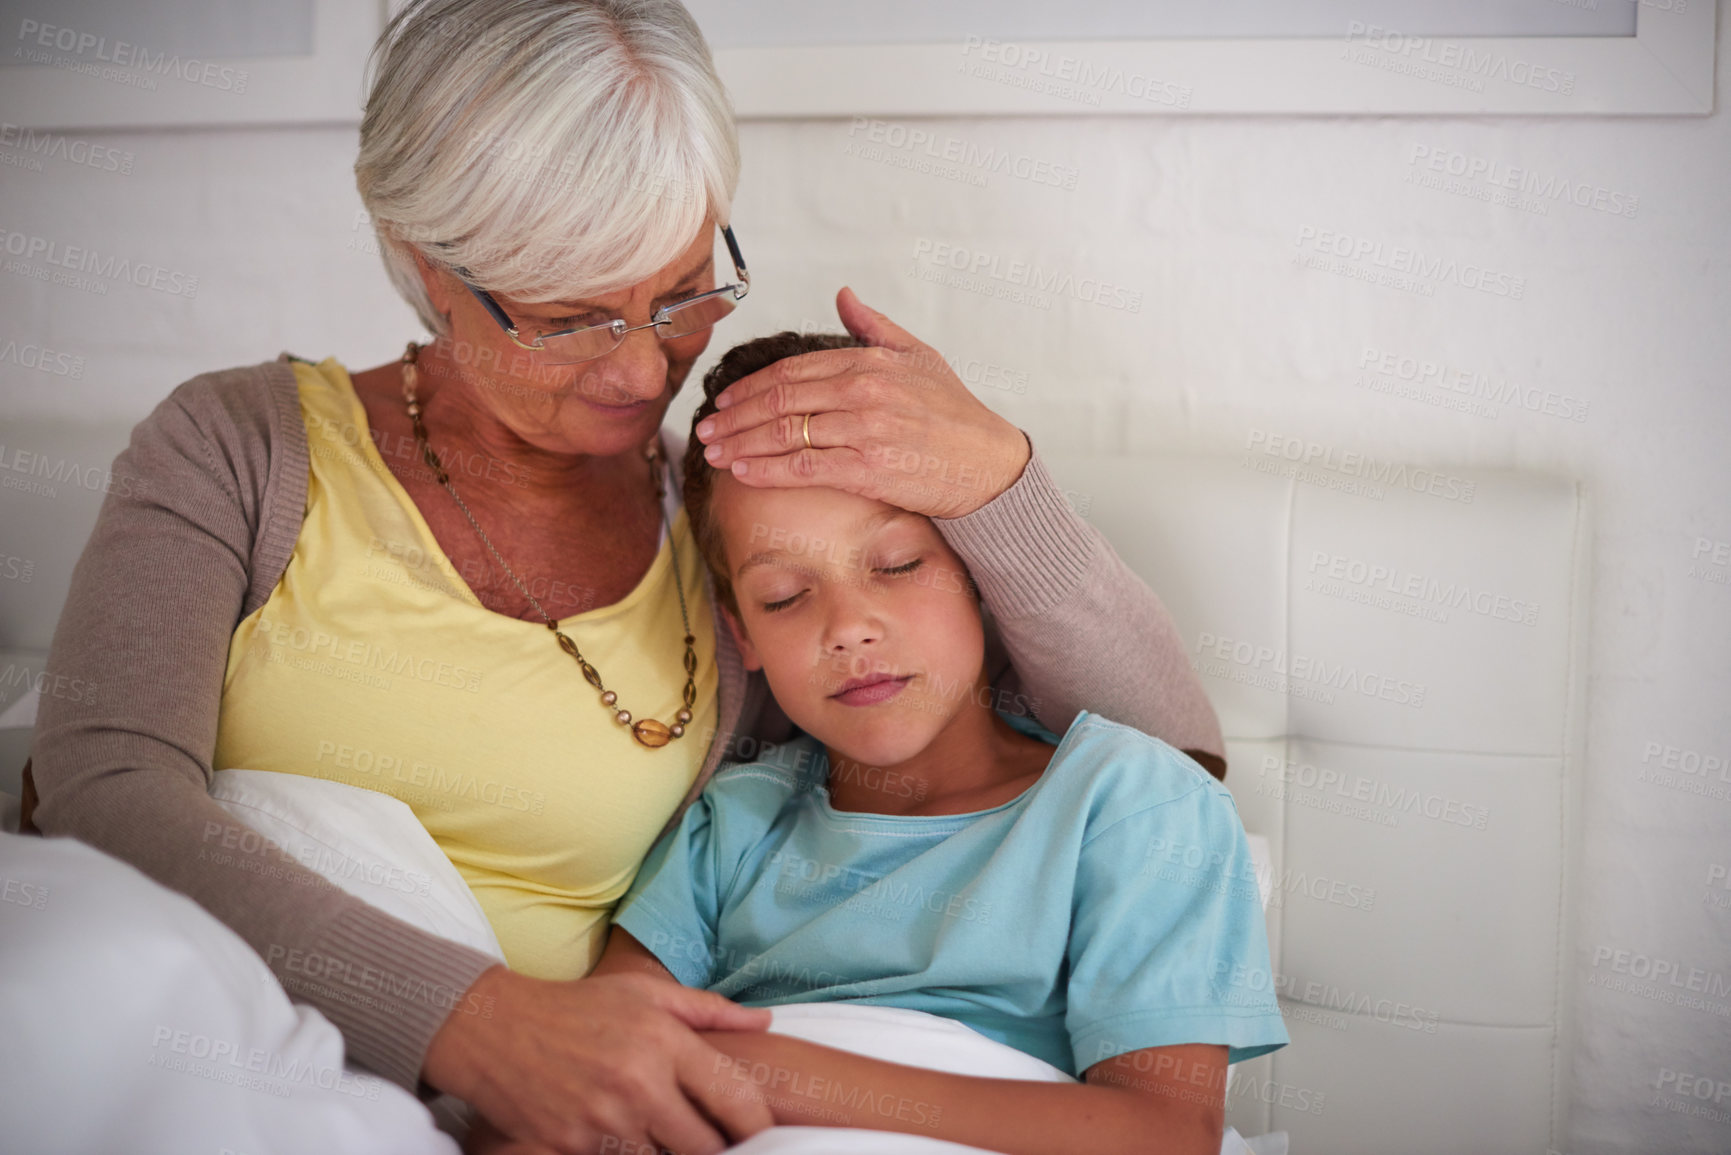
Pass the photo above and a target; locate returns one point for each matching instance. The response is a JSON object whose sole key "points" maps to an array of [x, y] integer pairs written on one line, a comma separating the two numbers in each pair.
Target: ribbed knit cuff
{"points": [[283, 505], [1026, 548], [387, 986]]}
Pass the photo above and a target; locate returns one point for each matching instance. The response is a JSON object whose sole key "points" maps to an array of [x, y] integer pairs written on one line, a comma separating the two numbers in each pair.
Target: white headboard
{"points": [[1413, 773], [1397, 659]]}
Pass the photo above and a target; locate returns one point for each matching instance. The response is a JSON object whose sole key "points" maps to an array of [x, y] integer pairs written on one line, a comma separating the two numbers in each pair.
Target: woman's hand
{"points": [[891, 422], [486, 1139], [614, 1060]]}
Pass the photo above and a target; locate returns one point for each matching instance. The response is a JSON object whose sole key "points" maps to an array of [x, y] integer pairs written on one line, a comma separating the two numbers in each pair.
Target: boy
{"points": [[916, 848]]}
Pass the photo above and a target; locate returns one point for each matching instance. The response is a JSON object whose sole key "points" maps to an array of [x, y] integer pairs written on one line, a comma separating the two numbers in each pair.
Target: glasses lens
{"points": [[697, 314], [683, 319], [583, 345]]}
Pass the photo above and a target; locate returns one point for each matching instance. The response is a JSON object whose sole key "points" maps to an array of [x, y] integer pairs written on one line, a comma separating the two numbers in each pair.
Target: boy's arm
{"points": [[625, 955], [1166, 1099], [1170, 1100]]}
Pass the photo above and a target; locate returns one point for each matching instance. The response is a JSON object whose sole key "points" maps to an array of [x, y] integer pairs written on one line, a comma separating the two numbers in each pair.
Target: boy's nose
{"points": [[850, 644], [854, 629]]}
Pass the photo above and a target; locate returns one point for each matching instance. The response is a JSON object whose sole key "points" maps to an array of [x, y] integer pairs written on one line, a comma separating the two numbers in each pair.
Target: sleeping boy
{"points": [[916, 848]]}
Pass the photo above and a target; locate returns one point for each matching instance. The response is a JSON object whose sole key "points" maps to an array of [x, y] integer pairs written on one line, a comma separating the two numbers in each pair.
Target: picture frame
{"points": [[90, 82], [1666, 68]]}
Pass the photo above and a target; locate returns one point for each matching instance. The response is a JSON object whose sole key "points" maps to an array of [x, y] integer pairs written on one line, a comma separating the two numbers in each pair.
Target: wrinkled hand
{"points": [[891, 422], [573, 1068]]}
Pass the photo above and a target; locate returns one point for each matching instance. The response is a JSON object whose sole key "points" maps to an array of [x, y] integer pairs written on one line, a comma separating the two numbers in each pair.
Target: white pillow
{"points": [[134, 1021], [1262, 861], [364, 841]]}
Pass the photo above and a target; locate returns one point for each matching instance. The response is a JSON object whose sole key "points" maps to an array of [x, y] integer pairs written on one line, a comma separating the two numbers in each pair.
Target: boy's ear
{"points": [[747, 651]]}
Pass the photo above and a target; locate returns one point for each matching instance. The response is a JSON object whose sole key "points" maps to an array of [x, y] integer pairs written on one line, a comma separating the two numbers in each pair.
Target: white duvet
{"points": [[133, 1021]]}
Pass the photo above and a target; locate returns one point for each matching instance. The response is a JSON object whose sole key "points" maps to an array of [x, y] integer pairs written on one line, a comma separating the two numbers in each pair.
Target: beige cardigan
{"points": [[194, 534]]}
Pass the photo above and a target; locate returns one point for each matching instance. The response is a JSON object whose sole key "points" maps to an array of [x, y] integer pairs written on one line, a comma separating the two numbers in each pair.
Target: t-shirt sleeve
{"points": [[1167, 942], [674, 902]]}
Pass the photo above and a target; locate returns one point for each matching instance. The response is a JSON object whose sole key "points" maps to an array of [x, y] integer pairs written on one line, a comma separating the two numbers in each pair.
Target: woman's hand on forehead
{"points": [[891, 422]]}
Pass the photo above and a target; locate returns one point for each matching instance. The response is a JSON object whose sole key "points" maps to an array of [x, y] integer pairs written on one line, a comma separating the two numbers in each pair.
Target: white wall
{"points": [[1629, 315]]}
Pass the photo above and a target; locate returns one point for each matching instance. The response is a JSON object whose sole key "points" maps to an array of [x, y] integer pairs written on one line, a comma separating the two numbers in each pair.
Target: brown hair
{"points": [[737, 362]]}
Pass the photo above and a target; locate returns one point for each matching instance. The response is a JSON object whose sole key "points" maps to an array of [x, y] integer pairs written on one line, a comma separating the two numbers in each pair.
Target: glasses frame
{"points": [[617, 326]]}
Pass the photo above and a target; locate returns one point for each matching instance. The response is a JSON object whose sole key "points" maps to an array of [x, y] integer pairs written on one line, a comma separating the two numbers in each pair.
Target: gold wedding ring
{"points": [[807, 431]]}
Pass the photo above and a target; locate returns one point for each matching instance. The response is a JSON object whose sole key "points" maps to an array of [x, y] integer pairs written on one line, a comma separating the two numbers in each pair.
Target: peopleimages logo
{"points": [[1668, 980], [1272, 667], [1016, 275], [80, 259], [1686, 1093], [1396, 475], [1412, 262], [1291, 775], [953, 150], [1388, 369], [1064, 76], [66, 689], [32, 356], [1327, 996], [59, 146], [87, 50], [1497, 176], [225, 1061], [283, 640], [1421, 56], [21, 469], [799, 875], [1392, 579]]}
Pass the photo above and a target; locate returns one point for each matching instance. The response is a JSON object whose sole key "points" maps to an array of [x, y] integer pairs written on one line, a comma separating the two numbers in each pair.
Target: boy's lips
{"points": [[870, 690]]}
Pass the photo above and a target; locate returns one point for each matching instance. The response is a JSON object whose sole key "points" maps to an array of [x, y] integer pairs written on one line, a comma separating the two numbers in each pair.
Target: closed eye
{"points": [[904, 568]]}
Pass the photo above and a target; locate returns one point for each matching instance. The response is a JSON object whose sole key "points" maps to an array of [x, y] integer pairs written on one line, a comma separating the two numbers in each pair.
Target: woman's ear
{"points": [[747, 652], [438, 291]]}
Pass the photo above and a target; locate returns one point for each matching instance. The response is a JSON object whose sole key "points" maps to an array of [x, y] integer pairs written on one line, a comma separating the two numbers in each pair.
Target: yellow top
{"points": [[373, 663]]}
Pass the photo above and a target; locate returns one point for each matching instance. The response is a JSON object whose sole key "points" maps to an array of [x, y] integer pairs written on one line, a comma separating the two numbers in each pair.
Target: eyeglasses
{"points": [[671, 322]]}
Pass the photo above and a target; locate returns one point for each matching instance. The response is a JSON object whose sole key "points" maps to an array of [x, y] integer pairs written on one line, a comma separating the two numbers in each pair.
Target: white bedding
{"points": [[366, 842], [918, 1040], [133, 1020]]}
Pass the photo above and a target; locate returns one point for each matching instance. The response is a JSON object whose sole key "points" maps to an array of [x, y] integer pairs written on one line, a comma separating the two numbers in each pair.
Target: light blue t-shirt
{"points": [[1111, 907]]}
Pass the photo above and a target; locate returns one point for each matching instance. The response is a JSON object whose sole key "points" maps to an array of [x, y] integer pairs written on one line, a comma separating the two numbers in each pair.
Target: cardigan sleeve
{"points": [[1079, 628], [122, 754]]}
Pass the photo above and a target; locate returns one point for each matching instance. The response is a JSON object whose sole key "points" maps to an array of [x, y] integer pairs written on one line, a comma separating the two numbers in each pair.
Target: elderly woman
{"points": [[463, 578]]}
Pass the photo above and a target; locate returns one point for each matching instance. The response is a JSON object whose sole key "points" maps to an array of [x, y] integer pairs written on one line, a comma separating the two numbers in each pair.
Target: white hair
{"points": [[553, 148]]}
